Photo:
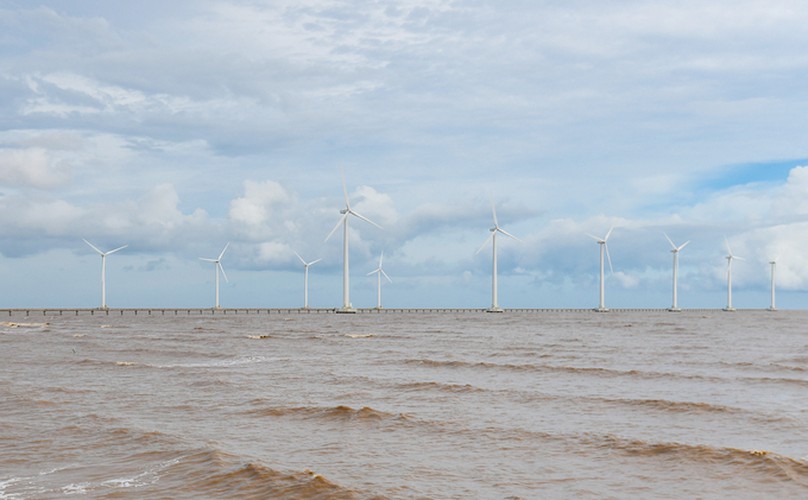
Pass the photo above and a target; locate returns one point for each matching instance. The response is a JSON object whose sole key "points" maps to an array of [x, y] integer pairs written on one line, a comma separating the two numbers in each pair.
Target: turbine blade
{"points": [[673, 245], [506, 233], [682, 246], [381, 258], [385, 275], [313, 262], [93, 247], [222, 270], [594, 237], [363, 218], [729, 250], [494, 212], [223, 251], [117, 249], [208, 260], [341, 220], [301, 258], [606, 238], [372, 272], [609, 258], [345, 188], [485, 243]]}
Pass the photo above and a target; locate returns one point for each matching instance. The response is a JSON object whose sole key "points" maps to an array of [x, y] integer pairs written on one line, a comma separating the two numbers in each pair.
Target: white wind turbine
{"points": [[346, 291], [603, 248], [379, 272], [217, 266], [730, 257], [773, 263], [675, 251], [306, 266], [493, 238], [104, 270]]}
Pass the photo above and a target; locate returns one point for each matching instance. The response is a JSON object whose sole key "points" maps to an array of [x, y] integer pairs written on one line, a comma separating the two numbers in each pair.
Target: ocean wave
{"points": [[439, 386], [12, 324], [764, 462], [214, 473], [360, 335], [532, 367], [340, 412]]}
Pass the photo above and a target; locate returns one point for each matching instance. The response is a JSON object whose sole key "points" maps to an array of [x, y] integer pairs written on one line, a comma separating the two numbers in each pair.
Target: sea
{"points": [[434, 404]]}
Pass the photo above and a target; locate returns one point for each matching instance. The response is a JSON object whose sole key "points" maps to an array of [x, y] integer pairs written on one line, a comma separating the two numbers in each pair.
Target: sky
{"points": [[175, 128]]}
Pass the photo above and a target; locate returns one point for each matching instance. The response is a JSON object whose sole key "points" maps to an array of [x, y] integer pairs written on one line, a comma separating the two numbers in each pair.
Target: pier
{"points": [[235, 311]]}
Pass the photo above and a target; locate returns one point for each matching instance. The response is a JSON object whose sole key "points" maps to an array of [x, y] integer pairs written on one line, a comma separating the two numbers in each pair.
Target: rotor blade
{"points": [[682, 246], [729, 250], [736, 257], [363, 218], [385, 275], [485, 243], [93, 247], [494, 212], [606, 238], [673, 245], [209, 260], [345, 188], [506, 233], [381, 258], [373, 272], [117, 249], [313, 262], [223, 273], [301, 258], [609, 258], [594, 237], [341, 220], [223, 251]]}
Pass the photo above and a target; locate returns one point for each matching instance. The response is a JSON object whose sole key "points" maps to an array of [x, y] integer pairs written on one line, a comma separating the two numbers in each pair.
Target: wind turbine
{"points": [[346, 291], [730, 257], [379, 272], [675, 251], [603, 248], [306, 279], [104, 270], [217, 266], [493, 238], [773, 263]]}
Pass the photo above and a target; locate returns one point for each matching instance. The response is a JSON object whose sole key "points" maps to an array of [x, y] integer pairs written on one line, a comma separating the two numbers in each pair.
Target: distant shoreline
{"points": [[233, 311]]}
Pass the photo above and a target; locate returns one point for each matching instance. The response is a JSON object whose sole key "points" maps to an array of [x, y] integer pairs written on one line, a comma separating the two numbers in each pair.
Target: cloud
{"points": [[32, 167]]}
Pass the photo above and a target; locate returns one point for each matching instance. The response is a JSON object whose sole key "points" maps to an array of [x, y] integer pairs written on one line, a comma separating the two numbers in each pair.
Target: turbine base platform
{"points": [[771, 309], [675, 309], [601, 309], [728, 309], [346, 310], [495, 309]]}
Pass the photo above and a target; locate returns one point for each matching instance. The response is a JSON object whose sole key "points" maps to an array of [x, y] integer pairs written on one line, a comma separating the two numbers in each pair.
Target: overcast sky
{"points": [[176, 127]]}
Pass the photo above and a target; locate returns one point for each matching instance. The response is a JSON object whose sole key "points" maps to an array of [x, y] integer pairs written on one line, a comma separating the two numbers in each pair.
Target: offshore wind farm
{"points": [[472, 249]]}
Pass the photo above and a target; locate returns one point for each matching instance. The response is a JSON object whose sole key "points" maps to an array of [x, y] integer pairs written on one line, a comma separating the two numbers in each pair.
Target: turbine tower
{"points": [[675, 251], [730, 257], [604, 248], [217, 266], [493, 238], [346, 291], [379, 272], [104, 270], [306, 266], [773, 263]]}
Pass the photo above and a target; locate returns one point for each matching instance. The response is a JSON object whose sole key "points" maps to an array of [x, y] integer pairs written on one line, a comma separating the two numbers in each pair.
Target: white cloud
{"points": [[32, 167]]}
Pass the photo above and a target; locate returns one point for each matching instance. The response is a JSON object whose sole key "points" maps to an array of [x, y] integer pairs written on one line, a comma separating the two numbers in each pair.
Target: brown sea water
{"points": [[404, 405]]}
